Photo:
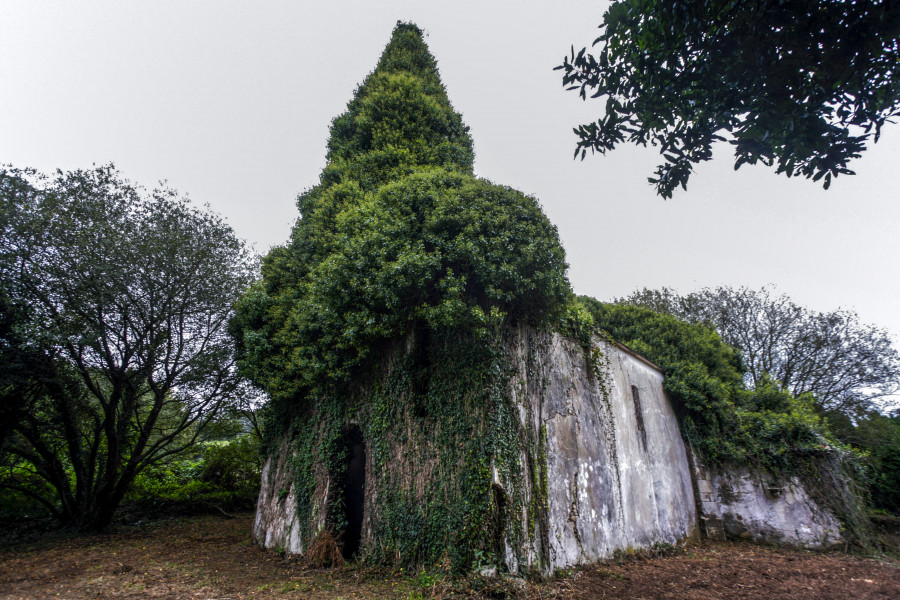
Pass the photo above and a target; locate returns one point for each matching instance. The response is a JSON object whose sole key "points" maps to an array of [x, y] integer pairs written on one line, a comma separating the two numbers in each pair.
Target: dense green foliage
{"points": [[217, 474], [116, 303], [385, 311], [436, 421], [437, 247], [877, 436], [400, 119], [398, 234], [723, 419], [19, 363], [799, 84], [848, 367], [211, 476]]}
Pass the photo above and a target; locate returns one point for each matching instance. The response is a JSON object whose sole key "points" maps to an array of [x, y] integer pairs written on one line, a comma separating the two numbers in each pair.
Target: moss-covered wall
{"points": [[439, 429], [538, 464]]}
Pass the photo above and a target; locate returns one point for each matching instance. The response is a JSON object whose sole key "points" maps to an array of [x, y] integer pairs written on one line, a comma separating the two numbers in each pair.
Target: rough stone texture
{"points": [[276, 525], [609, 471], [738, 503], [617, 470]]}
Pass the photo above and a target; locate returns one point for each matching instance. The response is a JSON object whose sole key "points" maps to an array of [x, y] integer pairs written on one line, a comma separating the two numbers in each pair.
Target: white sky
{"points": [[231, 102]]}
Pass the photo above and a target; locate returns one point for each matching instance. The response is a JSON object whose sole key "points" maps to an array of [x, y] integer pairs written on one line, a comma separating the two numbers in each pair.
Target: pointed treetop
{"points": [[407, 52], [399, 119], [398, 233]]}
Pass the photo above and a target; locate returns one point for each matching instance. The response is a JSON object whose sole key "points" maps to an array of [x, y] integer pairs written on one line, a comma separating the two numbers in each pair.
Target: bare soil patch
{"points": [[740, 570], [212, 558]]}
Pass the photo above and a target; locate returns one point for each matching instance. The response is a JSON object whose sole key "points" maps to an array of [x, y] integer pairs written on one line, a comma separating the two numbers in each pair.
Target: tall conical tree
{"points": [[398, 230], [399, 241], [400, 119]]}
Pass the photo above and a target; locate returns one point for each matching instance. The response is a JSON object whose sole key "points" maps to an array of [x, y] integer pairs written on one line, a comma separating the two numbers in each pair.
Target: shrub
{"points": [[220, 474]]}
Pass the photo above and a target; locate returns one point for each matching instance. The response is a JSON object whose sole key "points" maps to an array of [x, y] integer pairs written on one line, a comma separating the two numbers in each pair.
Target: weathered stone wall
{"points": [[276, 525], [616, 466], [611, 458], [607, 470], [737, 502]]}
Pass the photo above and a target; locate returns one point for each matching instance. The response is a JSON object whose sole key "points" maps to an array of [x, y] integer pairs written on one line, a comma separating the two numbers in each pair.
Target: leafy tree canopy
{"points": [[878, 436], [801, 85], [18, 362], [397, 234], [115, 308], [847, 366]]}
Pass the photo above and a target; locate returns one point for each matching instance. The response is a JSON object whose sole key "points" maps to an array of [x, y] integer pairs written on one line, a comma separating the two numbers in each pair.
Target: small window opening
{"points": [[639, 416]]}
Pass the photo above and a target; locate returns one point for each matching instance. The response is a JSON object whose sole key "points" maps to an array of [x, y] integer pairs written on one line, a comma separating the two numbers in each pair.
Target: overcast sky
{"points": [[231, 102]]}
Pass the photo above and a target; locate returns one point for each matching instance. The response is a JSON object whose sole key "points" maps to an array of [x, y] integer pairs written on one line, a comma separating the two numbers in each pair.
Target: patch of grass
{"points": [[289, 586], [426, 579], [606, 573]]}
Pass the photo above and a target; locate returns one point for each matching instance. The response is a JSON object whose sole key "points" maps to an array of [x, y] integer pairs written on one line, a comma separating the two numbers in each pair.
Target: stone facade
{"points": [[736, 502], [616, 464], [616, 471]]}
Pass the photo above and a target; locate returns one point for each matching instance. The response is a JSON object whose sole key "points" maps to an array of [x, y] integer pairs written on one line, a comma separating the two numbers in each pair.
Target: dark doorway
{"points": [[354, 491], [498, 524]]}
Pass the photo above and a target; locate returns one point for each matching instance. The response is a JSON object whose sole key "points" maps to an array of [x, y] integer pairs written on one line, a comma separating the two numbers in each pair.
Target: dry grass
{"points": [[324, 553]]}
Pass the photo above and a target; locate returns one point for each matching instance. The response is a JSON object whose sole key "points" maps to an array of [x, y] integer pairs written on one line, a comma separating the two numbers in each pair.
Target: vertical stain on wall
{"points": [[639, 416]]}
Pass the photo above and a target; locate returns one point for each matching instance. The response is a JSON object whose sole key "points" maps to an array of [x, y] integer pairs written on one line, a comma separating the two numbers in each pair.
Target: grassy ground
{"points": [[211, 557]]}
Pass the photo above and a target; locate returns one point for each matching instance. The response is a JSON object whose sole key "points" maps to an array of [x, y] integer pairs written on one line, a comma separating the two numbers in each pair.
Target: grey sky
{"points": [[231, 103]]}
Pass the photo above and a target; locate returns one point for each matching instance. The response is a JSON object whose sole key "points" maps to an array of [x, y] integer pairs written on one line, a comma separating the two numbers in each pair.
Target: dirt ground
{"points": [[211, 558]]}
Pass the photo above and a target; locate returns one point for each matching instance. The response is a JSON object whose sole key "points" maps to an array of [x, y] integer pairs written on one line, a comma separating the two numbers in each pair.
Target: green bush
{"points": [[218, 474], [878, 437], [16, 505], [399, 234]]}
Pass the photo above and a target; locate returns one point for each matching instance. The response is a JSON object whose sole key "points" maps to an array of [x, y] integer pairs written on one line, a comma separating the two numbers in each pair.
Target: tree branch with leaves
{"points": [[801, 85]]}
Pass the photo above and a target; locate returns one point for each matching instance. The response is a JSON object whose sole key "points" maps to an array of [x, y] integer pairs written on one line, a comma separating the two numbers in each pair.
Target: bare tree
{"points": [[847, 366], [128, 297]]}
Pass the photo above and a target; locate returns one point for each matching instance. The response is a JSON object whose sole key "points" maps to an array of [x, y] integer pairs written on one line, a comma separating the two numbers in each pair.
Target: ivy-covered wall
{"points": [[444, 459], [552, 457]]}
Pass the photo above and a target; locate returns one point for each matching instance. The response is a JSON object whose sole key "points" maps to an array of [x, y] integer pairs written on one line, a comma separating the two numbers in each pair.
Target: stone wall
{"points": [[738, 503], [276, 525], [611, 457], [617, 470], [607, 470]]}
